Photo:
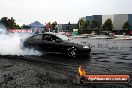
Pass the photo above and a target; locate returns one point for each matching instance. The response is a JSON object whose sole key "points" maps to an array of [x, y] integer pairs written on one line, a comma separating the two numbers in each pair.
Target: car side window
{"points": [[47, 37], [54, 38], [37, 37]]}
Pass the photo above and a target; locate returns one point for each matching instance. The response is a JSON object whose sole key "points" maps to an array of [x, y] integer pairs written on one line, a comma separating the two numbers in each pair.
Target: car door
{"points": [[57, 44], [47, 42], [52, 43], [36, 42]]}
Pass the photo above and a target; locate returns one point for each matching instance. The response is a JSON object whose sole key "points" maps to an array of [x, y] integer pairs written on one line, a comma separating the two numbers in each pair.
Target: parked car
{"points": [[56, 43]]}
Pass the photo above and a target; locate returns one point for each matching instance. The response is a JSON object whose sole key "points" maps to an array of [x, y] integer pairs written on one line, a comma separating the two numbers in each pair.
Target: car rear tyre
{"points": [[72, 52]]}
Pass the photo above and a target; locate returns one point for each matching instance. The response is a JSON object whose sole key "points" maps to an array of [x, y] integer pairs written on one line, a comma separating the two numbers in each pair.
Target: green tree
{"points": [[108, 25], [86, 24], [4, 21], [25, 26], [53, 26], [83, 24], [126, 26], [95, 25], [10, 23]]}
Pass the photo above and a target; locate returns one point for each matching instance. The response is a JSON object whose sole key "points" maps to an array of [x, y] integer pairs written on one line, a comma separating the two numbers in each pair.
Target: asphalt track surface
{"points": [[108, 56]]}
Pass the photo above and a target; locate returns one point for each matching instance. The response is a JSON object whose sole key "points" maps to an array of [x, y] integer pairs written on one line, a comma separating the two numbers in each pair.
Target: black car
{"points": [[56, 43]]}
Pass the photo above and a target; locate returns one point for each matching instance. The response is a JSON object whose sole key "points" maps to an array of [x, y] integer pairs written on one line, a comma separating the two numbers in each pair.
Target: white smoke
{"points": [[10, 44], [3, 30]]}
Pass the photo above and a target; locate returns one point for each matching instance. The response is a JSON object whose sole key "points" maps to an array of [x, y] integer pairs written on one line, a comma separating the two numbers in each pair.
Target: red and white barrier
{"points": [[19, 30]]}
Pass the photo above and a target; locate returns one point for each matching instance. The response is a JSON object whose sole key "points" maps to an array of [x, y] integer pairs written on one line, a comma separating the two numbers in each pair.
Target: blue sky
{"points": [[62, 11]]}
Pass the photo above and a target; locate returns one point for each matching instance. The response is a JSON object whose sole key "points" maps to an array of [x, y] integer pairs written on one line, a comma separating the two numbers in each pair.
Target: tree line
{"points": [[9, 23], [94, 25], [82, 25]]}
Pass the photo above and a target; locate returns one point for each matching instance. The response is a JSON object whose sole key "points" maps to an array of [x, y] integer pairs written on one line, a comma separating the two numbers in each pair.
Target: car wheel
{"points": [[72, 52]]}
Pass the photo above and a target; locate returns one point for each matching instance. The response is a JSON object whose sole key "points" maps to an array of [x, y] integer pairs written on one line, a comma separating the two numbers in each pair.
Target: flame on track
{"points": [[81, 71]]}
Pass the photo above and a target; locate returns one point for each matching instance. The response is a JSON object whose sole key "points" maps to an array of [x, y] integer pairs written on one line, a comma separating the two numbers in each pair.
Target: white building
{"points": [[119, 20], [105, 17]]}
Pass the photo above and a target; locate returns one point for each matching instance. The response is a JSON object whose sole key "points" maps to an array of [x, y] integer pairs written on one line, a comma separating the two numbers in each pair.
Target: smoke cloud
{"points": [[11, 44]]}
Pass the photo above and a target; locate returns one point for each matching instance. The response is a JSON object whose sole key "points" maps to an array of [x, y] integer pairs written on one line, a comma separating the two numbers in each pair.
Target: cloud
{"points": [[62, 11]]}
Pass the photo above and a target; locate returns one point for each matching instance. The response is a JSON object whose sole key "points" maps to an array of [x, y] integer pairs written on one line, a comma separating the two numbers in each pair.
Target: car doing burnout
{"points": [[56, 43]]}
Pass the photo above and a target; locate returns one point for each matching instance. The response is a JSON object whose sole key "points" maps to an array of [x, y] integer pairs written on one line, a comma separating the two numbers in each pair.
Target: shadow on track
{"points": [[59, 61], [60, 58]]}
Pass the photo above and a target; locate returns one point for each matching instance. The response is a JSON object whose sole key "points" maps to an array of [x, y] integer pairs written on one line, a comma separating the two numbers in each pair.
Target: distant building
{"points": [[130, 20], [62, 27], [90, 18], [36, 26], [118, 20], [67, 27], [105, 17], [83, 18], [74, 26], [97, 18]]}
